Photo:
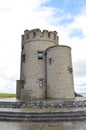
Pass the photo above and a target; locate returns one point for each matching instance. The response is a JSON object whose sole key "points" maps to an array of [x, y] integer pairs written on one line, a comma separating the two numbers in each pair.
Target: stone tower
{"points": [[46, 67]]}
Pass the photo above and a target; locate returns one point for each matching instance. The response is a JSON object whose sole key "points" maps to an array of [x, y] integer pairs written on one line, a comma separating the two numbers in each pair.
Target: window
{"points": [[40, 55], [41, 83], [22, 84], [22, 47], [23, 57]]}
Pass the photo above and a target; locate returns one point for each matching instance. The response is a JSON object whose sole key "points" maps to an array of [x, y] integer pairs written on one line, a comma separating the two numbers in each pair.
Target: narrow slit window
{"points": [[40, 55], [23, 57], [22, 83], [22, 47]]}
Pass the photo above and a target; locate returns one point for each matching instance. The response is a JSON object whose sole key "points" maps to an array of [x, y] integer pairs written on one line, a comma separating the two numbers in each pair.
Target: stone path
{"points": [[43, 126]]}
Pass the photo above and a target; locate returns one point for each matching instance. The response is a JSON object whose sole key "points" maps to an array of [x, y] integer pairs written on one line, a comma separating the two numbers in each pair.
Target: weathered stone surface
{"points": [[44, 104], [52, 116]]}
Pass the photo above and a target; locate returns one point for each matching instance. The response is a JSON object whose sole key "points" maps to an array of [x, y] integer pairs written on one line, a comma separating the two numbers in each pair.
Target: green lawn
{"points": [[7, 95], [83, 94]]}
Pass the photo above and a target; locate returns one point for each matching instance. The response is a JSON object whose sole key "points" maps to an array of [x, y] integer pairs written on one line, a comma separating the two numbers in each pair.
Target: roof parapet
{"points": [[38, 34]]}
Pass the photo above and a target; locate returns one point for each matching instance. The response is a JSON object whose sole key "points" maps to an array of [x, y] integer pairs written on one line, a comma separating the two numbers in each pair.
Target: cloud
{"points": [[80, 84], [80, 70]]}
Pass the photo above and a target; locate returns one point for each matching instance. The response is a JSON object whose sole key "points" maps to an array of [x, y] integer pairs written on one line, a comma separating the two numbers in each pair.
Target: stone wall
{"points": [[80, 103], [59, 72]]}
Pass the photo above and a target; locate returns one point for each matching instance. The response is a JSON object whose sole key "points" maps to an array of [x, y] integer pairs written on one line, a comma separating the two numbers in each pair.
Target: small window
{"points": [[23, 57], [22, 84], [22, 47], [40, 55], [41, 83]]}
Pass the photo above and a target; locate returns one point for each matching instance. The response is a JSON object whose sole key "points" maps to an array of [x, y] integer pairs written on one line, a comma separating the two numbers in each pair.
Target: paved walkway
{"points": [[43, 109], [43, 126]]}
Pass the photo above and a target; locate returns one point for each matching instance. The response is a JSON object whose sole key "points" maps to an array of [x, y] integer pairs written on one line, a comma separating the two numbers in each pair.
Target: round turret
{"points": [[59, 72], [34, 44]]}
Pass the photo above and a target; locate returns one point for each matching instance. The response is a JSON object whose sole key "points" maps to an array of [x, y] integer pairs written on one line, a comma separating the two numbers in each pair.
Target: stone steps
{"points": [[42, 116], [43, 111]]}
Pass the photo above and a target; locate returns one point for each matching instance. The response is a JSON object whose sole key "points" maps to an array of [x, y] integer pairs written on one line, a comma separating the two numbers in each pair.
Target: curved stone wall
{"points": [[59, 72]]}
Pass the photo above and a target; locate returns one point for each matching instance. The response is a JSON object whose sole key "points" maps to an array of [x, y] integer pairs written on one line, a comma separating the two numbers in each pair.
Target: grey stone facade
{"points": [[46, 67]]}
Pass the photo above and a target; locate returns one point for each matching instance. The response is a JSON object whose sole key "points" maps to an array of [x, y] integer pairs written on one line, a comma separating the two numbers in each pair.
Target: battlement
{"points": [[38, 34]]}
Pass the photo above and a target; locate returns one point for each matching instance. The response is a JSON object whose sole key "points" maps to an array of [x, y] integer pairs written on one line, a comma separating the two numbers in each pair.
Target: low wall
{"points": [[45, 104]]}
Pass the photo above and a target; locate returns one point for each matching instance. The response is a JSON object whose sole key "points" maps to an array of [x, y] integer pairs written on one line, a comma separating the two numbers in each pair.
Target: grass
{"points": [[83, 94], [7, 95]]}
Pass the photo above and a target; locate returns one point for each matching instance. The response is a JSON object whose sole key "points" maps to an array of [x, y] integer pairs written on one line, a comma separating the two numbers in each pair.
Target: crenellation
{"points": [[26, 35], [55, 35], [51, 35], [38, 34], [35, 33], [45, 33]]}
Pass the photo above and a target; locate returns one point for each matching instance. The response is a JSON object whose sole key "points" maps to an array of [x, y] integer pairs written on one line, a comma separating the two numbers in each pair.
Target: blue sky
{"points": [[67, 17], [69, 6]]}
